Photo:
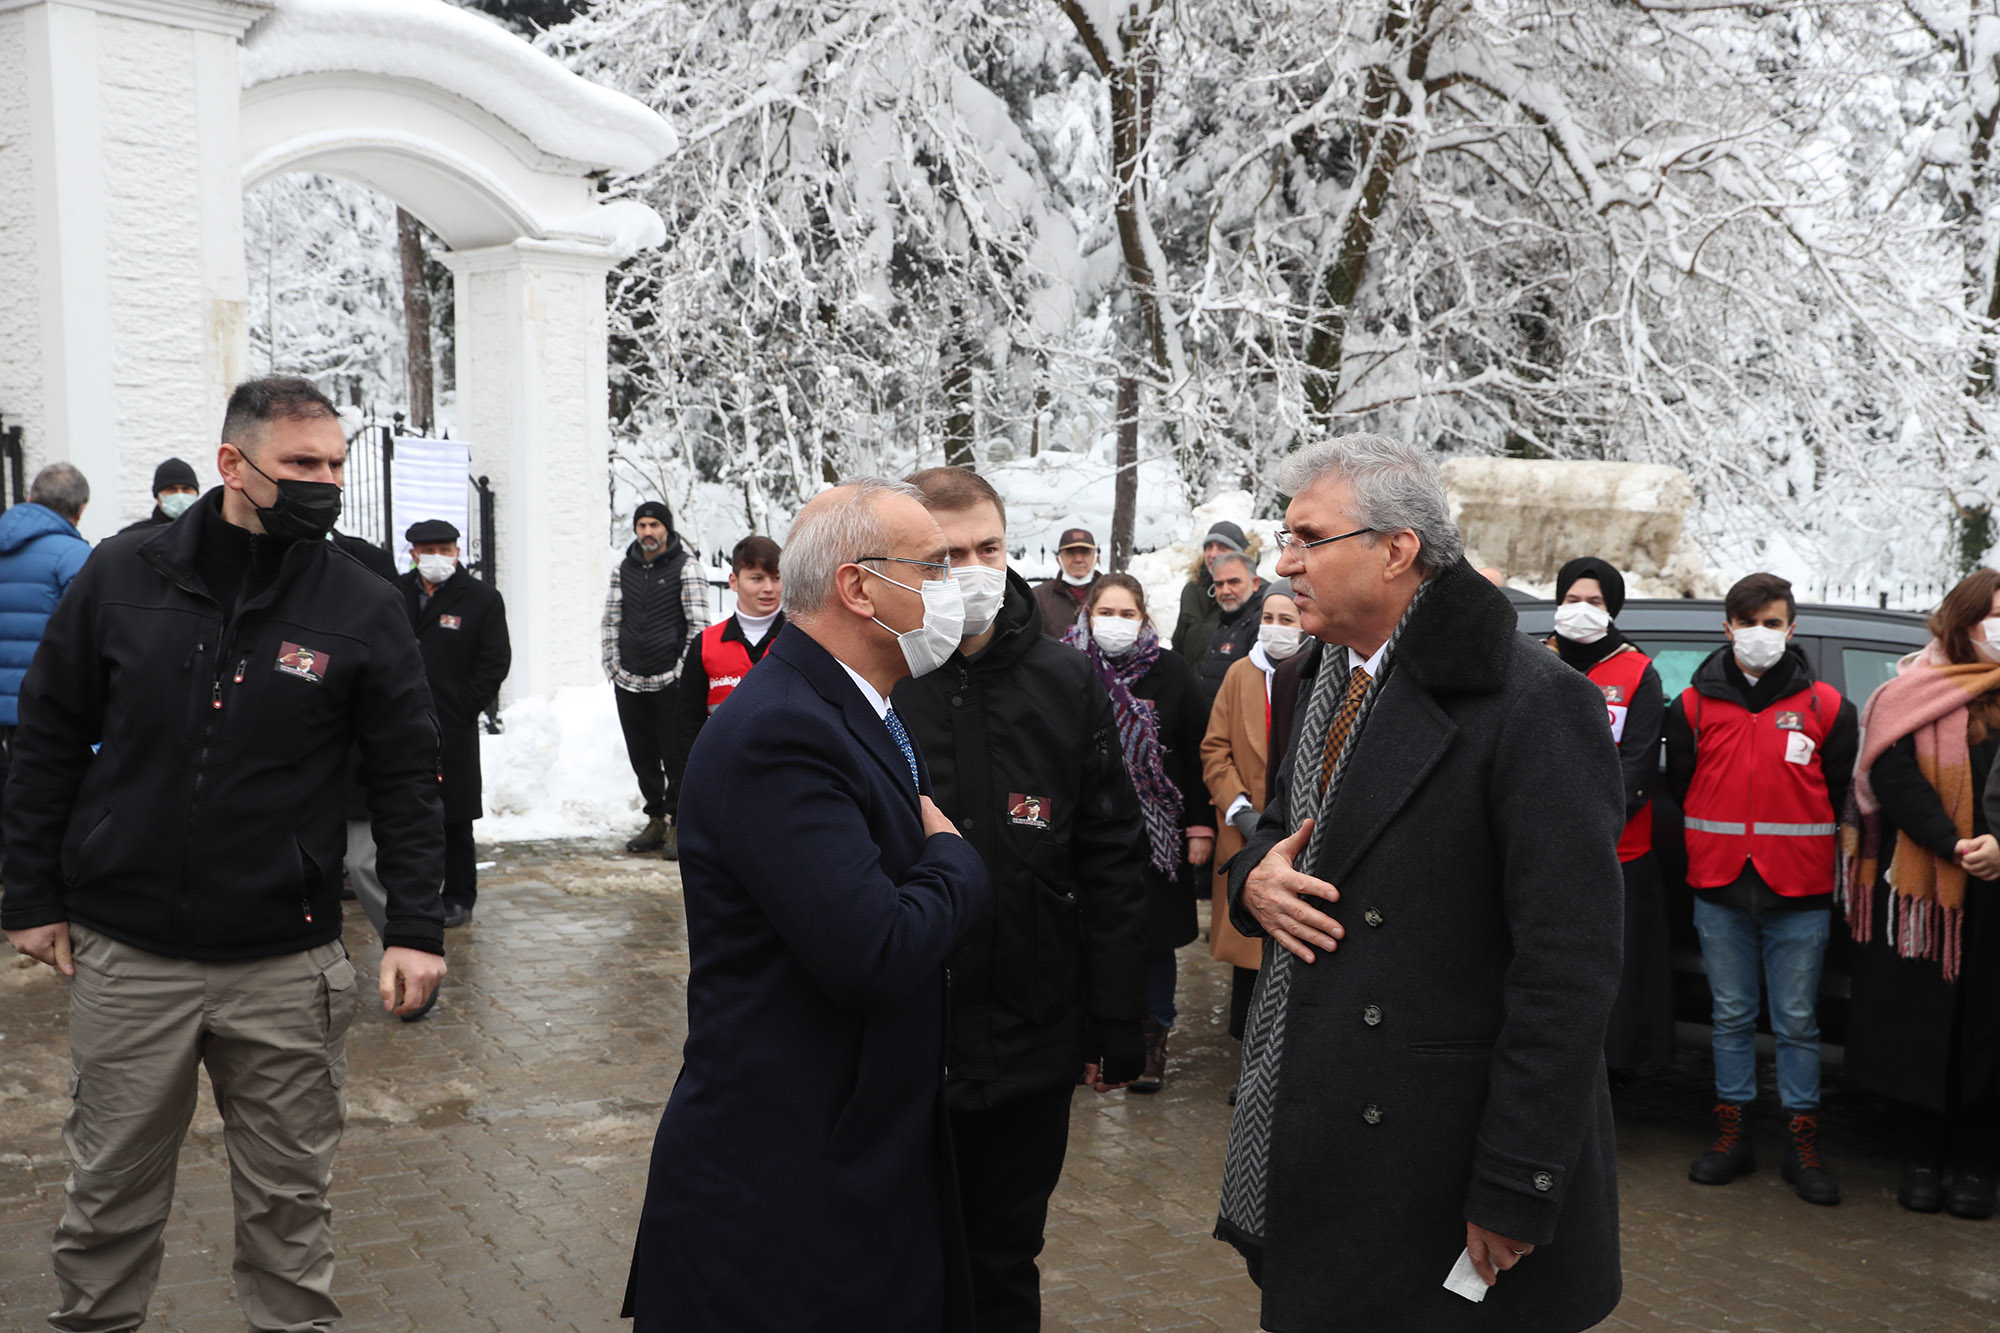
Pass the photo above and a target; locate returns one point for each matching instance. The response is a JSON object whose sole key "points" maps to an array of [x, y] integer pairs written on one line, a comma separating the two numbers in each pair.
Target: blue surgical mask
{"points": [[173, 506]]}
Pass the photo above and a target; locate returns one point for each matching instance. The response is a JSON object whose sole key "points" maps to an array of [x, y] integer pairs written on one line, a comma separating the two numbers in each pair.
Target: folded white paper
{"points": [[1465, 1280]]}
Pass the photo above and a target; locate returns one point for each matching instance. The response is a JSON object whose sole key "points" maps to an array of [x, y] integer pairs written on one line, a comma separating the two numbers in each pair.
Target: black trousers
{"points": [[648, 723], [461, 865], [1009, 1159]]}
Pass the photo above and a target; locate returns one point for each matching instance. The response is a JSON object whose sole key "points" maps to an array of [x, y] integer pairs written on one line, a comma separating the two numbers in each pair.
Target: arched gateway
{"points": [[129, 130]]}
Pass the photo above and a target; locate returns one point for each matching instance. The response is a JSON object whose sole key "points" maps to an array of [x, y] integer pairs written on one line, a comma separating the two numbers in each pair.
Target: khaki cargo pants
{"points": [[273, 1034]]}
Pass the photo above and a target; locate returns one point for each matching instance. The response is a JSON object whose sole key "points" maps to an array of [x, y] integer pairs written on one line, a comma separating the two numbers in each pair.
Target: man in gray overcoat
{"points": [[1436, 881]]}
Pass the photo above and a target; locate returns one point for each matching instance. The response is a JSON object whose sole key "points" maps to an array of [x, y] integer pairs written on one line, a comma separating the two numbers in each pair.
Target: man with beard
{"points": [[658, 598]]}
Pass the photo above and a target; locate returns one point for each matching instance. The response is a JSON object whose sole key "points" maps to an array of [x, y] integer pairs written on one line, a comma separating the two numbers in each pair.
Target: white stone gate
{"points": [[129, 130]]}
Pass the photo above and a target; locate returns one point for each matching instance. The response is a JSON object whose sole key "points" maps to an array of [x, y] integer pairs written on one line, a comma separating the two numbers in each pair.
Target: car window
{"points": [[1676, 663], [1864, 669]]}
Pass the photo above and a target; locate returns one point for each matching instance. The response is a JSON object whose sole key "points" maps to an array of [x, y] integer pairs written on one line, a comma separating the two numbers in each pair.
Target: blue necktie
{"points": [[895, 725]]}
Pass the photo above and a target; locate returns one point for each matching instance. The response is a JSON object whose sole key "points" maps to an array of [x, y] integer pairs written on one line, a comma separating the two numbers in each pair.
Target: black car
{"points": [[1852, 648]]}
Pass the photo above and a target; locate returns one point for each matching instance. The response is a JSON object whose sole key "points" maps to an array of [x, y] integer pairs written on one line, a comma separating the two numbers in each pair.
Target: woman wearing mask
{"points": [[1234, 758], [1917, 868], [1161, 718], [1589, 595]]}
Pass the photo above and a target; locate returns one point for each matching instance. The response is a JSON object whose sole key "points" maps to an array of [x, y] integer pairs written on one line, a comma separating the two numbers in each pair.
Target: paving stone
{"points": [[495, 1156]]}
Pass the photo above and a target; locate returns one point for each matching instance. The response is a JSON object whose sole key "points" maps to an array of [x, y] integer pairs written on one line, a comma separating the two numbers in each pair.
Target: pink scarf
{"points": [[1928, 698]]}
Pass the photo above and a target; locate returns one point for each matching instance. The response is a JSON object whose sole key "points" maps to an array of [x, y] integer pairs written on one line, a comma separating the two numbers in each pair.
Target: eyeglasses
{"points": [[942, 567], [1290, 541]]}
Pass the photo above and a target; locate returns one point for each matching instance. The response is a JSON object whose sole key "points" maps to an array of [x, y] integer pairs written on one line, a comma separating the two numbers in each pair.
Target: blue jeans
{"points": [[1787, 948], [1162, 971]]}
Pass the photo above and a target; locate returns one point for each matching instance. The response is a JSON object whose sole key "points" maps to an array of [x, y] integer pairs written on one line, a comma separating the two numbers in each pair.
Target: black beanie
{"points": [[1590, 567], [173, 472], [654, 509]]}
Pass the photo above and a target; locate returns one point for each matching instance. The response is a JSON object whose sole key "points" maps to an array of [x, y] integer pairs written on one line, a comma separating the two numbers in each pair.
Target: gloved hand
{"points": [[1117, 1048], [1245, 821]]}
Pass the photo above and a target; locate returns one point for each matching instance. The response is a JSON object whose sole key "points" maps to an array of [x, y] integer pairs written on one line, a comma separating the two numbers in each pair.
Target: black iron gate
{"points": [[13, 466], [368, 508]]}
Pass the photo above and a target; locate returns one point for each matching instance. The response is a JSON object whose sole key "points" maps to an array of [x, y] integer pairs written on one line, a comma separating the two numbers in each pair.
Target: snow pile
{"points": [[431, 42], [558, 770]]}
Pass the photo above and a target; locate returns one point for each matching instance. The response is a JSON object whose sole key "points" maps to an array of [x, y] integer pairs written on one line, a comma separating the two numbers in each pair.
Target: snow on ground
{"points": [[558, 770]]}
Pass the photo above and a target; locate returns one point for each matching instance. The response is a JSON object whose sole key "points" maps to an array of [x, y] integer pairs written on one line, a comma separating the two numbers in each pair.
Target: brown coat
{"points": [[1233, 756]]}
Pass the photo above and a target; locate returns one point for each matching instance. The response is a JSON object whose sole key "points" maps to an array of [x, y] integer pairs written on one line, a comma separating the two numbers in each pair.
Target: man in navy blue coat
{"points": [[802, 1175]]}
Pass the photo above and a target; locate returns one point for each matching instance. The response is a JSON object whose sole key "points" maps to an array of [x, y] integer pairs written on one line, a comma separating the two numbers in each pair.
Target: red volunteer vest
{"points": [[1759, 792], [1618, 676], [726, 662]]}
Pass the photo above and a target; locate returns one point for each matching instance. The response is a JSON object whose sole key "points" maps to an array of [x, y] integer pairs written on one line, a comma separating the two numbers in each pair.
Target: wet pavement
{"points": [[496, 1152]]}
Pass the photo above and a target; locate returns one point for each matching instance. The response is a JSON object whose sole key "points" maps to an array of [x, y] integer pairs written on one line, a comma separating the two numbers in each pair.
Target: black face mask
{"points": [[305, 511]]}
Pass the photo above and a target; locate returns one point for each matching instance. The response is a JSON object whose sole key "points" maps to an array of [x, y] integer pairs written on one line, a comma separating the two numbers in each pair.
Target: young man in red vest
{"points": [[1761, 756], [720, 656]]}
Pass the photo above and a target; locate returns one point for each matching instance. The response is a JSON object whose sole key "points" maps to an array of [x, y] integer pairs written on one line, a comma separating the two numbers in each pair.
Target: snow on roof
{"points": [[465, 54]]}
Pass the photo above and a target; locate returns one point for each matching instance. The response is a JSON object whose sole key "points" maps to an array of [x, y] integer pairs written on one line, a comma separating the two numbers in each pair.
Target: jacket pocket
{"points": [[1056, 932], [89, 854], [1470, 1046]]}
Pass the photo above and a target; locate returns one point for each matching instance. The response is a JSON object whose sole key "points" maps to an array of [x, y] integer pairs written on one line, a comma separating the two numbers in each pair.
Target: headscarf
{"points": [[1930, 698], [1139, 737], [1584, 656]]}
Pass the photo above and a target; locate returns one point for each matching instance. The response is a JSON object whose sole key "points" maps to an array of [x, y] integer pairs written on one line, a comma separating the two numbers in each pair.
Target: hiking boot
{"points": [[1922, 1190], [1802, 1169], [651, 838], [670, 845], [1155, 1074], [1971, 1195], [1732, 1155]]}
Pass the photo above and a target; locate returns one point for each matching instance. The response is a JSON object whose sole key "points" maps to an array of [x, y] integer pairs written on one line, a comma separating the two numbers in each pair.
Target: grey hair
{"points": [[1396, 485], [61, 487], [1234, 558], [835, 530]]}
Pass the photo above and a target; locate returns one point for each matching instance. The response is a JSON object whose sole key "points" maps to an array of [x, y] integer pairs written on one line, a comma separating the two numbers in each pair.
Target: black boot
{"points": [[1922, 1190], [651, 838], [1732, 1155], [1971, 1195], [1803, 1170], [1155, 1075]]}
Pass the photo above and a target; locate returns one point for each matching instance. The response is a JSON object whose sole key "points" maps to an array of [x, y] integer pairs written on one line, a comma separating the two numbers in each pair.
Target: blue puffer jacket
{"points": [[40, 552]]}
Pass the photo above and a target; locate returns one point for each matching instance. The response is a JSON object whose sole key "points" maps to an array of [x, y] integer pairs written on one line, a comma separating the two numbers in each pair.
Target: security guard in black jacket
{"points": [[1023, 753], [175, 824], [461, 626]]}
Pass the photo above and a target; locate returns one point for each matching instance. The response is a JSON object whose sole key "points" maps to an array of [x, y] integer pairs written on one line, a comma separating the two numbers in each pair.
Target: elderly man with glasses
{"points": [[1435, 879]]}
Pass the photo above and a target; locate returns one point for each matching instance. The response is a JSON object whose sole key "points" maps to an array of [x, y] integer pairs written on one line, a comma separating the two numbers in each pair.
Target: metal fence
{"points": [[368, 510], [1921, 596]]}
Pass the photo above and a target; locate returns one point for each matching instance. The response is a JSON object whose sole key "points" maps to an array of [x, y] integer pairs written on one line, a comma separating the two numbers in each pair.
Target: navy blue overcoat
{"points": [[802, 1174]]}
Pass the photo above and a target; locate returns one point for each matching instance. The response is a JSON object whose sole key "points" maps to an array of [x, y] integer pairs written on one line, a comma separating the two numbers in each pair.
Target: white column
{"points": [[532, 403], [121, 213]]}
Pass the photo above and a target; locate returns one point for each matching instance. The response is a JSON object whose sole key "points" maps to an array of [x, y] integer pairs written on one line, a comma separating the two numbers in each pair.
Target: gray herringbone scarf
{"points": [[1246, 1169]]}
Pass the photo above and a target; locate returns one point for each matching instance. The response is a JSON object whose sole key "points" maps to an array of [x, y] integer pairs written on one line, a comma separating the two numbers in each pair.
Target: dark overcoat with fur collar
{"points": [[1445, 1064]]}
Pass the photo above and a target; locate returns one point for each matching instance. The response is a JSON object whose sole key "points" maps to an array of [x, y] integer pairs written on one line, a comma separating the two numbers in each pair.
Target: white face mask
{"points": [[984, 588], [1580, 622], [173, 506], [1758, 649], [1115, 634], [931, 644], [1280, 641], [435, 568], [1075, 582], [1989, 647]]}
